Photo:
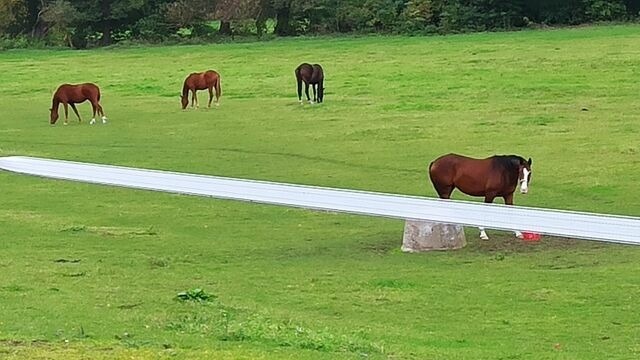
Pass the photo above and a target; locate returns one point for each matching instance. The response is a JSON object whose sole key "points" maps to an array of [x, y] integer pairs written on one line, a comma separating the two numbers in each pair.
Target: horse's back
{"points": [[304, 71], [211, 76], [201, 80], [77, 92], [318, 74]]}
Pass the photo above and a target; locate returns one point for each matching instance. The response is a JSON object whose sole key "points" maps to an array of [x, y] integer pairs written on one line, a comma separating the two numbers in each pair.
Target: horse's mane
{"points": [[510, 163]]}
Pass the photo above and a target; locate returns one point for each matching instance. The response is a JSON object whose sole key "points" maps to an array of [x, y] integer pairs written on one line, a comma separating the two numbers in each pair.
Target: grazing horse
{"points": [[69, 94], [311, 75], [495, 176], [201, 81]]}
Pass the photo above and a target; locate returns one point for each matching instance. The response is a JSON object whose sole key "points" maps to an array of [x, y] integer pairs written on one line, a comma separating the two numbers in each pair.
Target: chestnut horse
{"points": [[69, 94], [311, 75], [495, 176], [201, 81]]}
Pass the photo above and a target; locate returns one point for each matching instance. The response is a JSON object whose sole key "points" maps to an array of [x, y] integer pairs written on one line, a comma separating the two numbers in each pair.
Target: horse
{"points": [[495, 176], [311, 75], [201, 81], [69, 94]]}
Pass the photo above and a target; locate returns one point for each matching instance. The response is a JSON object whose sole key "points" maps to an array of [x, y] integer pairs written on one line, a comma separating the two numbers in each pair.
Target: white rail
{"points": [[621, 229]]}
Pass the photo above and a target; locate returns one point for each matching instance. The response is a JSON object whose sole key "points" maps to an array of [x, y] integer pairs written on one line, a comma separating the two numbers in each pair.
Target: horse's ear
{"points": [[529, 161]]}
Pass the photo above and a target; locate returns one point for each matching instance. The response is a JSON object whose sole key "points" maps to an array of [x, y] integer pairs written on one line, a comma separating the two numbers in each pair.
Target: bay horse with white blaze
{"points": [[311, 75], [70, 95], [495, 176], [208, 80]]}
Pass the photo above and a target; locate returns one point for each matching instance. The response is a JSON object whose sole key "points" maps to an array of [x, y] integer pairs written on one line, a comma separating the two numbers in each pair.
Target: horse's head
{"points": [[524, 175], [53, 116], [184, 100]]}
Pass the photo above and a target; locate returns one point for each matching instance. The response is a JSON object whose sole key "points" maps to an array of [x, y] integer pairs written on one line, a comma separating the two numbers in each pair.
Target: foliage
{"points": [[197, 295], [61, 15], [604, 10], [85, 23]]}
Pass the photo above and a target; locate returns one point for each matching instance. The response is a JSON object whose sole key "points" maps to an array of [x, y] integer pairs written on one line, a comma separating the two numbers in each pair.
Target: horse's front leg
{"points": [[194, 99], [315, 96], [508, 200], [73, 107], [210, 96], [306, 91], [66, 113]]}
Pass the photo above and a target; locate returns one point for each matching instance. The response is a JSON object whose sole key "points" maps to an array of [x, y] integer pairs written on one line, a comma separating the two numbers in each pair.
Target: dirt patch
{"points": [[507, 243]]}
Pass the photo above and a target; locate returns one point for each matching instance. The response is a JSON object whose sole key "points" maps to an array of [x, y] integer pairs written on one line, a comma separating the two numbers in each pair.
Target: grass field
{"points": [[93, 272]]}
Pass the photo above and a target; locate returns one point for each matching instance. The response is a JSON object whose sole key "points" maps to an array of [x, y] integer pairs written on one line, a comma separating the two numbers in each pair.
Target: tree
{"points": [[237, 10], [282, 10], [61, 15], [12, 16]]}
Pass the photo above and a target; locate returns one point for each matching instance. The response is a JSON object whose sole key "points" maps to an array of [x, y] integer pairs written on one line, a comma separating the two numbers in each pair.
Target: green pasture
{"points": [[93, 272]]}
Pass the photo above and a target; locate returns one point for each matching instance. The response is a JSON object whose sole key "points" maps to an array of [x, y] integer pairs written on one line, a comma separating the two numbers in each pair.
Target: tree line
{"points": [[86, 23]]}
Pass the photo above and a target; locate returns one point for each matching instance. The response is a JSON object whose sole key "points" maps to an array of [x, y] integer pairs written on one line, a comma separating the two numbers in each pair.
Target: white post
{"points": [[422, 236]]}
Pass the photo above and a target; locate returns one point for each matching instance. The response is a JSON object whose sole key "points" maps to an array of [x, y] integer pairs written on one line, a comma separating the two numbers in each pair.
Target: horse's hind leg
{"points": [[313, 87], [101, 113], [94, 108], [488, 198], [73, 107], [299, 90], [444, 191]]}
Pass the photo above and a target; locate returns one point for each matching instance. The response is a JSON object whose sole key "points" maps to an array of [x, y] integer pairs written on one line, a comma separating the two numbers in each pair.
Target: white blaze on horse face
{"points": [[524, 185]]}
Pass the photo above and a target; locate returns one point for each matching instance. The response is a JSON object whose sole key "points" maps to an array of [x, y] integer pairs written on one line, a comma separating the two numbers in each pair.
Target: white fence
{"points": [[622, 229]]}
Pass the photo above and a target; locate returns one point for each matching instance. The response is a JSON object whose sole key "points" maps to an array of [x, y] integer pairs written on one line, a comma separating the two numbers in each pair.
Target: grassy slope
{"points": [[300, 284]]}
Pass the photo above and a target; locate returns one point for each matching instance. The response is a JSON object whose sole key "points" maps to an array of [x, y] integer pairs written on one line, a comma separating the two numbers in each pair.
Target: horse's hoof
{"points": [[93, 121], [484, 237]]}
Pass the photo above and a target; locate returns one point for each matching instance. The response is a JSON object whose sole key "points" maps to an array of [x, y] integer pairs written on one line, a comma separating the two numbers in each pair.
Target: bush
{"points": [[604, 10]]}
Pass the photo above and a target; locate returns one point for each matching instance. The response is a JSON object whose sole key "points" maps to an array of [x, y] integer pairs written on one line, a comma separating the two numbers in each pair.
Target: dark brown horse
{"points": [[70, 95], [496, 176], [201, 81], [311, 75]]}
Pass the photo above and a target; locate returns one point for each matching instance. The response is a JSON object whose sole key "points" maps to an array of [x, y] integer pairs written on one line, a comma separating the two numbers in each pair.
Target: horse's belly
{"points": [[470, 185], [473, 191]]}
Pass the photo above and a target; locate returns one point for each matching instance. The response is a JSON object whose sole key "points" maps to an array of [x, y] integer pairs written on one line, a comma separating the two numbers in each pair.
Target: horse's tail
{"points": [[430, 166]]}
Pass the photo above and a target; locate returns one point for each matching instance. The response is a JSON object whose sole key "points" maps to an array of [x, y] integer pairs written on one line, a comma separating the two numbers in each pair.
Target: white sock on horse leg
{"points": [[93, 121], [483, 234], [518, 234]]}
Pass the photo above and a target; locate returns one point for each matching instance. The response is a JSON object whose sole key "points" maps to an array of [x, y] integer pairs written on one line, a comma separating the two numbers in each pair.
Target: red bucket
{"points": [[529, 236]]}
